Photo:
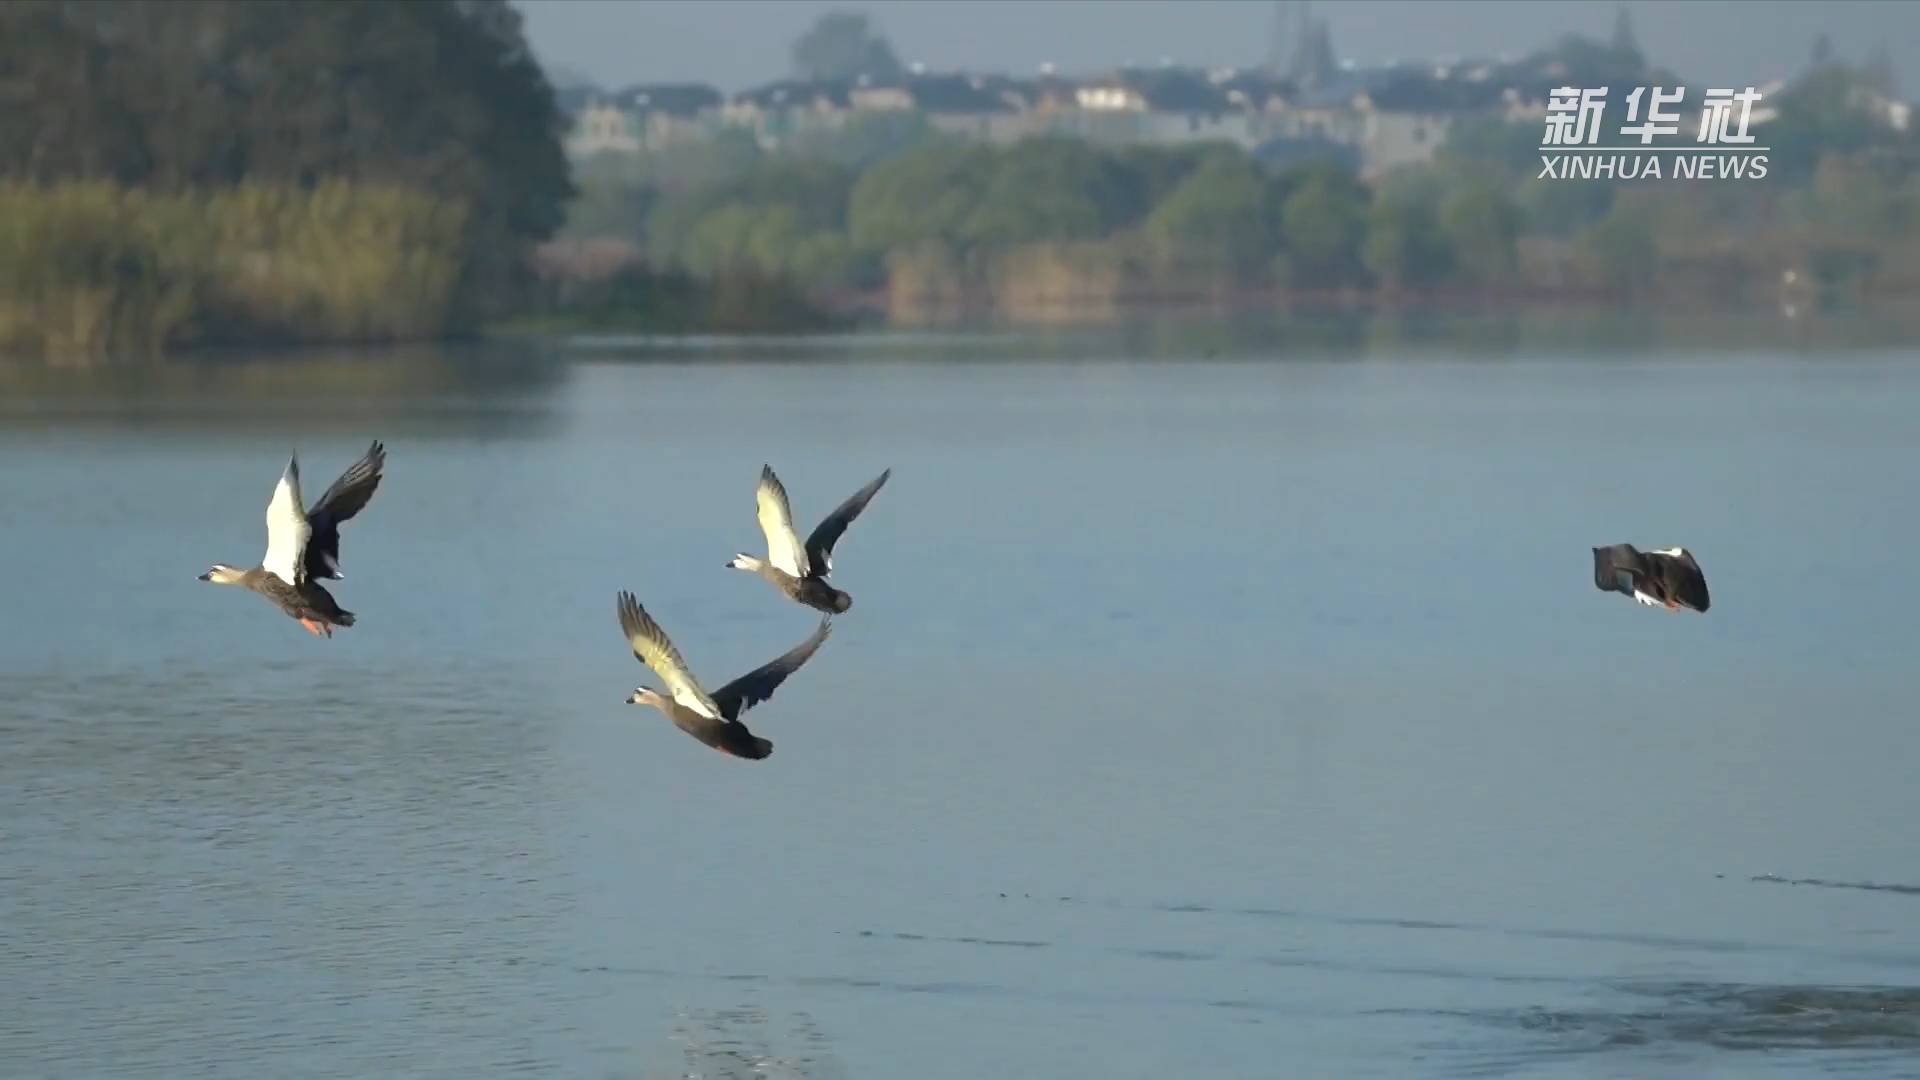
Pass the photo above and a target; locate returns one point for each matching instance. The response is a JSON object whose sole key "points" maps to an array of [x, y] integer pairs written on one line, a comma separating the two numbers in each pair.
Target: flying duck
{"points": [[1670, 578], [303, 545], [799, 571], [713, 718]]}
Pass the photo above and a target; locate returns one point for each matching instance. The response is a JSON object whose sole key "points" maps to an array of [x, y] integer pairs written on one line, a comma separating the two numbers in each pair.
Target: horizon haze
{"points": [[744, 43]]}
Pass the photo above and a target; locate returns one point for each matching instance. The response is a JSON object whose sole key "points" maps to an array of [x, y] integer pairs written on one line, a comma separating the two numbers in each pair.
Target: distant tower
{"points": [[1879, 70], [1313, 60], [1277, 39], [1822, 50], [1626, 43]]}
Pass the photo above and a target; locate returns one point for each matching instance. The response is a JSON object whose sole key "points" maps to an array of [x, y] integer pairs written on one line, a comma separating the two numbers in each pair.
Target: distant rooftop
{"points": [[1412, 86], [677, 99]]}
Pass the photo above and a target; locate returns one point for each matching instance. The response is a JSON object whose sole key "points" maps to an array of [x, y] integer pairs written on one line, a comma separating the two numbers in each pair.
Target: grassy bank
{"points": [[637, 298], [91, 270]]}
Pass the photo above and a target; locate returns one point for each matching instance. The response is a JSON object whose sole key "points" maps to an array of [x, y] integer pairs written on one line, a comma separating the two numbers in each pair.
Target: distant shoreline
{"points": [[867, 309], [869, 312]]}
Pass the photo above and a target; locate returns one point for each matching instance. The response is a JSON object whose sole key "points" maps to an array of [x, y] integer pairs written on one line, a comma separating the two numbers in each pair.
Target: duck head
{"points": [[222, 574]]}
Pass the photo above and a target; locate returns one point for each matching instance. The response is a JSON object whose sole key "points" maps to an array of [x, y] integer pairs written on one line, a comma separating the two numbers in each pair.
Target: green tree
{"points": [[1324, 221], [1619, 253], [690, 166], [1489, 143], [1150, 173], [827, 260], [1222, 217], [1823, 113], [812, 195], [1564, 207], [842, 46], [440, 96], [1047, 189], [926, 195], [1405, 247], [1481, 226], [738, 236]]}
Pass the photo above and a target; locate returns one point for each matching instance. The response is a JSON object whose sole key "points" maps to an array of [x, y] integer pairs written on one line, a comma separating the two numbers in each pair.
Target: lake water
{"points": [[1212, 705]]}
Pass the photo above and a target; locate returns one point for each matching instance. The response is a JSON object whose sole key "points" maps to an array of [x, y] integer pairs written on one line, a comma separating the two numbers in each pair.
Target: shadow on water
{"points": [[746, 1043], [1298, 333], [1870, 1025], [1663, 942], [1870, 1022], [1819, 883], [504, 388], [1004, 943]]}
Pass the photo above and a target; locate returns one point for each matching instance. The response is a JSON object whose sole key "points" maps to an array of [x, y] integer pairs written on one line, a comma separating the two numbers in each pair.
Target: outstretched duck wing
{"points": [[759, 684], [347, 497], [655, 649], [287, 528], [1616, 566], [776, 521], [820, 544], [1681, 573]]}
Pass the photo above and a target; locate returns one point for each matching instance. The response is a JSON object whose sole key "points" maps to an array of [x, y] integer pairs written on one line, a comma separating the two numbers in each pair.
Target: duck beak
{"points": [[208, 576]]}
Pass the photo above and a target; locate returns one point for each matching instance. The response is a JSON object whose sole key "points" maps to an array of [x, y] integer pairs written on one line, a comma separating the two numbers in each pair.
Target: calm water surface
{"points": [[1246, 710]]}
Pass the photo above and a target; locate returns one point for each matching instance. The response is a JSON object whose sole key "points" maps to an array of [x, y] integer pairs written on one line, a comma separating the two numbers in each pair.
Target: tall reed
{"points": [[92, 270]]}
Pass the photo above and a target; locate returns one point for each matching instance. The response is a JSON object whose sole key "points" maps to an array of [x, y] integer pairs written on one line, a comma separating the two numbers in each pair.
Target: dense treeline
{"points": [[1056, 223], [301, 170], [92, 268], [1043, 221], [1838, 216], [420, 131]]}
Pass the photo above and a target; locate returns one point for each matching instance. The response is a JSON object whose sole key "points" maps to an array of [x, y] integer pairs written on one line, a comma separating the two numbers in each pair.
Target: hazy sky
{"points": [[734, 44]]}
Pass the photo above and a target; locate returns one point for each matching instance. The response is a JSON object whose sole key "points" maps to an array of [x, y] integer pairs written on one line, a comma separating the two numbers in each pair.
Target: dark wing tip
{"points": [[834, 525], [770, 482], [628, 609], [1607, 567], [350, 493], [815, 640], [636, 623], [1702, 599]]}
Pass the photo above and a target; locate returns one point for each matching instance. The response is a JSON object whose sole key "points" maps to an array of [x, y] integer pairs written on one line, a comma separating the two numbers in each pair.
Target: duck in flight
{"points": [[799, 570], [713, 718], [1669, 578], [303, 544]]}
